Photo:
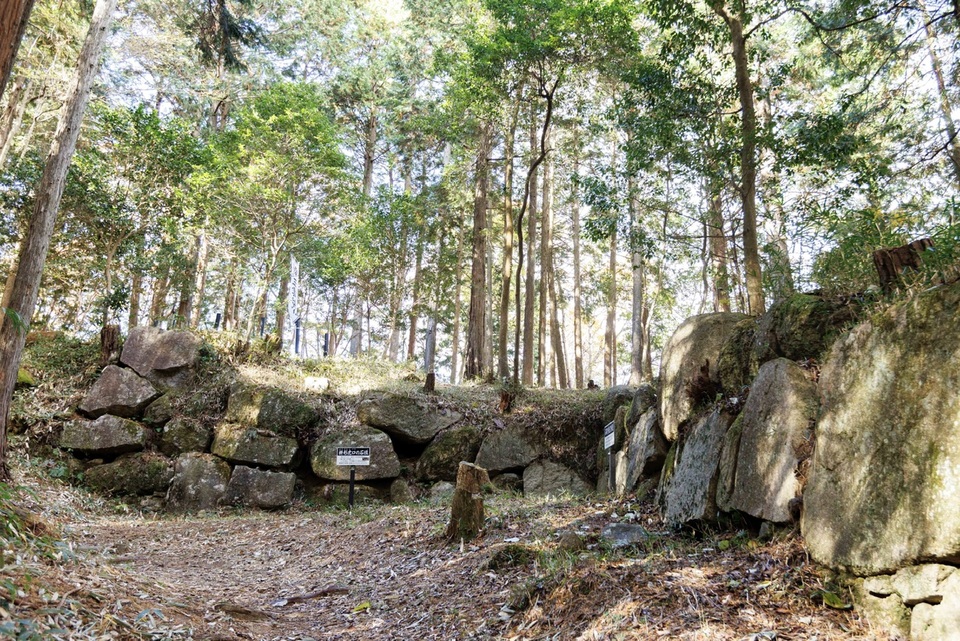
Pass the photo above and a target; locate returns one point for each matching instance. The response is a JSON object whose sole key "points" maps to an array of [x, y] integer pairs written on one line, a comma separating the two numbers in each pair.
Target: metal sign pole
{"points": [[613, 472]]}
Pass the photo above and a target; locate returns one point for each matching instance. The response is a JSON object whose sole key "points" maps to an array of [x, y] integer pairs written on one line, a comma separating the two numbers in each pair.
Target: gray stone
{"points": [[690, 492], [646, 450], [400, 492], [883, 483], [270, 409], [442, 491], [727, 472], [695, 344], [776, 436], [616, 397], [442, 457], [507, 449], [199, 483], [886, 613], [571, 542], [105, 436], [132, 474], [508, 482], [409, 419], [384, 463], [620, 535], [922, 583], [184, 435], [119, 392], [159, 412], [260, 489], [165, 358], [549, 478], [939, 621], [644, 399], [239, 444]]}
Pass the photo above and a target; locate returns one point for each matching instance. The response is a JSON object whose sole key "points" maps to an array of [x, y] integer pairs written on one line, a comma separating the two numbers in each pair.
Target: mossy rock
{"points": [[133, 474], [513, 555], [441, 459], [272, 409], [25, 379], [801, 326], [737, 364]]}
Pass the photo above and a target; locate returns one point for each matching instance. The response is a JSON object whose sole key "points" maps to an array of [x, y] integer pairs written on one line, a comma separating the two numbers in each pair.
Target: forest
{"points": [[526, 190]]}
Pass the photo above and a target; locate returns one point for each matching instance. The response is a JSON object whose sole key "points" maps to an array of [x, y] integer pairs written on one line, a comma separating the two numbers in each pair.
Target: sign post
{"points": [[609, 439], [353, 456]]}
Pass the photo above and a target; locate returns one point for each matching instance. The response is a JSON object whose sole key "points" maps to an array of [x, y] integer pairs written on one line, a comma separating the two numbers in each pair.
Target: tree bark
{"points": [[718, 249], [610, 335], [14, 15], [457, 307], [200, 278], [748, 158], [577, 302], [136, 291], [529, 290], [466, 511], [476, 322], [36, 242], [506, 265], [636, 316]]}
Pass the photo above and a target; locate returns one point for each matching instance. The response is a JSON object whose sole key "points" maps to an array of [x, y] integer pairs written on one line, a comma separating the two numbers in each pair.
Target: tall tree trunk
{"points": [[506, 265], [529, 290], [748, 157], [610, 335], [369, 152], [282, 307], [577, 302], [13, 117], [548, 308], [136, 291], [476, 321], [414, 316], [161, 285], [230, 296], [457, 306], [946, 109], [637, 336], [14, 15], [36, 242], [488, 305], [200, 278], [718, 247]]}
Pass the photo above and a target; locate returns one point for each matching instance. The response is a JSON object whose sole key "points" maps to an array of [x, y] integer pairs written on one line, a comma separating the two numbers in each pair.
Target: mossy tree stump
{"points": [[466, 513]]}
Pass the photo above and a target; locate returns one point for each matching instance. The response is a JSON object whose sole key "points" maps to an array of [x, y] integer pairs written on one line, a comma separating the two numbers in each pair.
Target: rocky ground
{"points": [[385, 572]]}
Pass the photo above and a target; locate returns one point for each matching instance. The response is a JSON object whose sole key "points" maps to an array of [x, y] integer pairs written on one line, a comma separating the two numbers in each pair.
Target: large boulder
{"points": [[689, 364], [106, 436], [801, 326], [132, 474], [689, 493], [549, 478], [269, 408], [644, 398], [777, 429], [159, 412], [615, 398], [409, 419], [165, 358], [240, 444], [883, 483], [441, 460], [120, 392], [384, 463], [258, 488], [921, 602], [508, 449], [199, 483], [737, 363], [645, 452], [184, 435]]}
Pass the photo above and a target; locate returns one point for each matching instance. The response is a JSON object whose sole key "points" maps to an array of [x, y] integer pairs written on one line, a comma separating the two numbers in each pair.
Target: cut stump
{"points": [[466, 512]]}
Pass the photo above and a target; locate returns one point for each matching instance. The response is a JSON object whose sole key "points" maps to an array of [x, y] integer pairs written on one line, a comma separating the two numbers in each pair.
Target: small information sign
{"points": [[353, 456], [608, 435]]}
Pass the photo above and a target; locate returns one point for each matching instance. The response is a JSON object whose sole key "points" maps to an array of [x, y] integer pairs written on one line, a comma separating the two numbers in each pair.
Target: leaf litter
{"points": [[385, 572]]}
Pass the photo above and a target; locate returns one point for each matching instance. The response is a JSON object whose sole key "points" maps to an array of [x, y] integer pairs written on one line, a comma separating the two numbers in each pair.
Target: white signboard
{"points": [[353, 456], [608, 435]]}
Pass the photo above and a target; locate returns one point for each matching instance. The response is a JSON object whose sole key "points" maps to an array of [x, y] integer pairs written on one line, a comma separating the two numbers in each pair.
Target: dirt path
{"points": [[320, 576], [386, 573]]}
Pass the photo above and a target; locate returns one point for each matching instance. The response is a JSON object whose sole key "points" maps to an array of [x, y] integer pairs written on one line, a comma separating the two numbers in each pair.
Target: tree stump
{"points": [[109, 344], [466, 513]]}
